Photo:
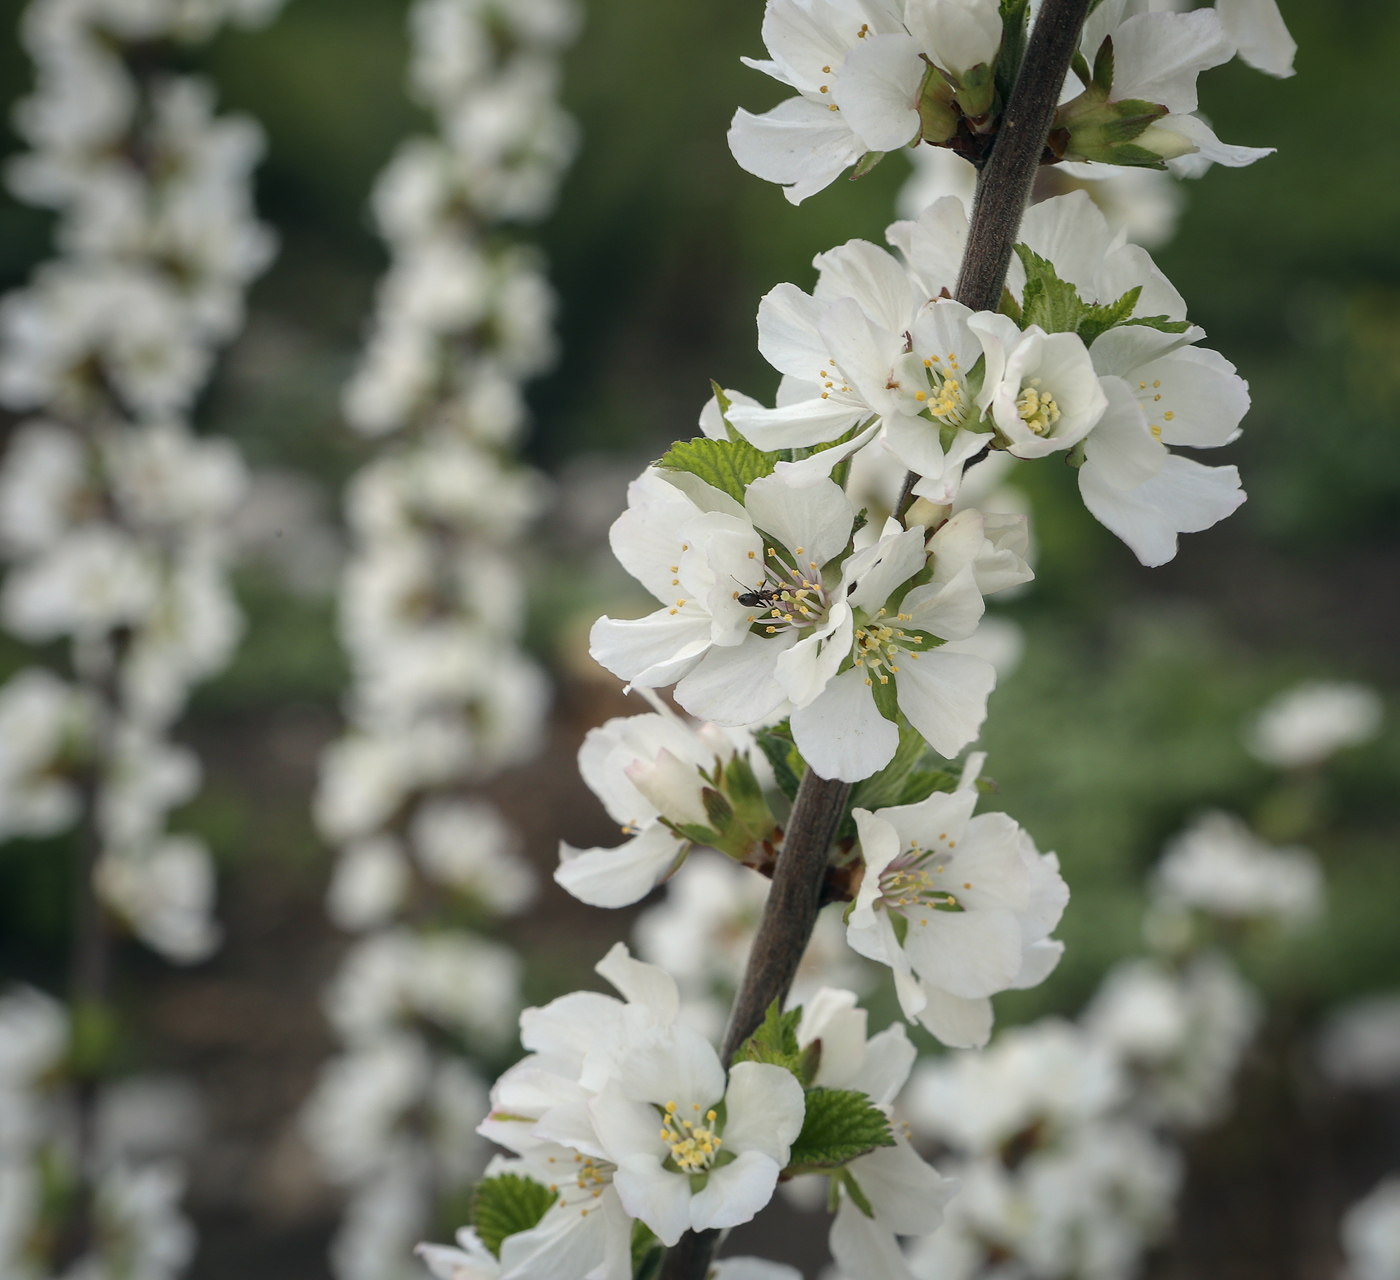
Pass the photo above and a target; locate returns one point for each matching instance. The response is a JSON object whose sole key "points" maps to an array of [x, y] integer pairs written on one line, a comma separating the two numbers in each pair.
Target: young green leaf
{"points": [[840, 1125], [729, 465], [1097, 321], [788, 767], [1052, 303], [724, 402], [506, 1205]]}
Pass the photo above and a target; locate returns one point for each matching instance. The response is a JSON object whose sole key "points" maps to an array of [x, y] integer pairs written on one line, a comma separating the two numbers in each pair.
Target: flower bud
{"points": [[673, 786]]}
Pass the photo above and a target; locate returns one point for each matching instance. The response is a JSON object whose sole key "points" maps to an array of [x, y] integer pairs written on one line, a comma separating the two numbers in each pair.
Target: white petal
{"points": [[797, 426], [818, 466], [907, 1193], [658, 1197], [1038, 963], [806, 669], [966, 953], [933, 244], [957, 34], [813, 522], [889, 1058], [620, 876], [645, 538], [865, 352], [865, 1247], [878, 91], [674, 1064], [787, 331], [765, 1107], [735, 1192], [652, 651], [1121, 448], [737, 685], [1259, 33], [1209, 149], [626, 1126], [640, 983], [873, 574], [950, 610], [1157, 56], [1201, 390], [945, 697], [799, 144], [958, 1023], [1185, 497], [873, 278], [842, 733], [712, 422]]}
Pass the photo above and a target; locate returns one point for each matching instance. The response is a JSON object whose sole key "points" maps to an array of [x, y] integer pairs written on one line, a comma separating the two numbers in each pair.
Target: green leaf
{"points": [[788, 766], [1009, 305], [1102, 79], [1052, 303], [858, 1196], [866, 163], [724, 402], [1160, 323], [729, 465], [647, 1252], [506, 1205], [775, 1042], [840, 1125], [1097, 321], [717, 809], [1015, 15]]}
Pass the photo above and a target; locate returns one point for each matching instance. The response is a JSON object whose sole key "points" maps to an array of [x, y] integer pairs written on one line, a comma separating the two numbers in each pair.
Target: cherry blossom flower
{"points": [[959, 907]]}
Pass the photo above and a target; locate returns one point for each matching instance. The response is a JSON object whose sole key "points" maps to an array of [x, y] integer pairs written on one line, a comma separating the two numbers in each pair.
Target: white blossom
{"points": [[1371, 1234], [1217, 865], [1303, 726], [959, 907]]}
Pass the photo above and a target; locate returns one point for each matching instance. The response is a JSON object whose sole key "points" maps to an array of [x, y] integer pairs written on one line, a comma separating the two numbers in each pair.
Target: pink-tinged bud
{"points": [[673, 786]]}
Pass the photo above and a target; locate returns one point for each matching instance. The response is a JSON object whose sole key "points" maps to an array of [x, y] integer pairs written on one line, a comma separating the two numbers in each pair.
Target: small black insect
{"points": [[760, 597]]}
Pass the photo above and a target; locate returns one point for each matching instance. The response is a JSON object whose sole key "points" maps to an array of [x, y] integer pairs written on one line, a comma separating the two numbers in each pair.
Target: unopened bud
{"points": [[671, 785]]}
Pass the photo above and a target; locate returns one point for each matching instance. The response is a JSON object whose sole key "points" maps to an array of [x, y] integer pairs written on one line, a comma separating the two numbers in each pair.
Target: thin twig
{"points": [[1003, 189]]}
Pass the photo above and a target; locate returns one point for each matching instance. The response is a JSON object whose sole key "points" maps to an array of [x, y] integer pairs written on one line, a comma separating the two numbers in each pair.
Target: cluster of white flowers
{"points": [[874, 76], [831, 659], [1065, 1135], [114, 526], [113, 514], [431, 615], [124, 1169], [624, 1131]]}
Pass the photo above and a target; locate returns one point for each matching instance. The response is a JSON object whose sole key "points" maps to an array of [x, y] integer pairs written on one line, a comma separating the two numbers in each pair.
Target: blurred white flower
{"points": [[1371, 1234], [1359, 1046], [1180, 1033], [1305, 725], [1219, 866]]}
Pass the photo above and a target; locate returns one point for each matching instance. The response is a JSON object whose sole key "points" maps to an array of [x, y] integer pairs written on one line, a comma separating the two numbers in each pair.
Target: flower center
{"points": [[694, 1143], [945, 400], [1036, 408], [878, 646], [791, 598], [580, 1186], [829, 376], [1149, 397], [918, 881]]}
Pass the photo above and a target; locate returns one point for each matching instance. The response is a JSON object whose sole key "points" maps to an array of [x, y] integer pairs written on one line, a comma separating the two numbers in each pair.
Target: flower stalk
{"points": [[1003, 190]]}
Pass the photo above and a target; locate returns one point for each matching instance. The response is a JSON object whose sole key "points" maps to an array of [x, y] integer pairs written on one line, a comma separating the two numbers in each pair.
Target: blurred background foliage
{"points": [[1125, 715]]}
